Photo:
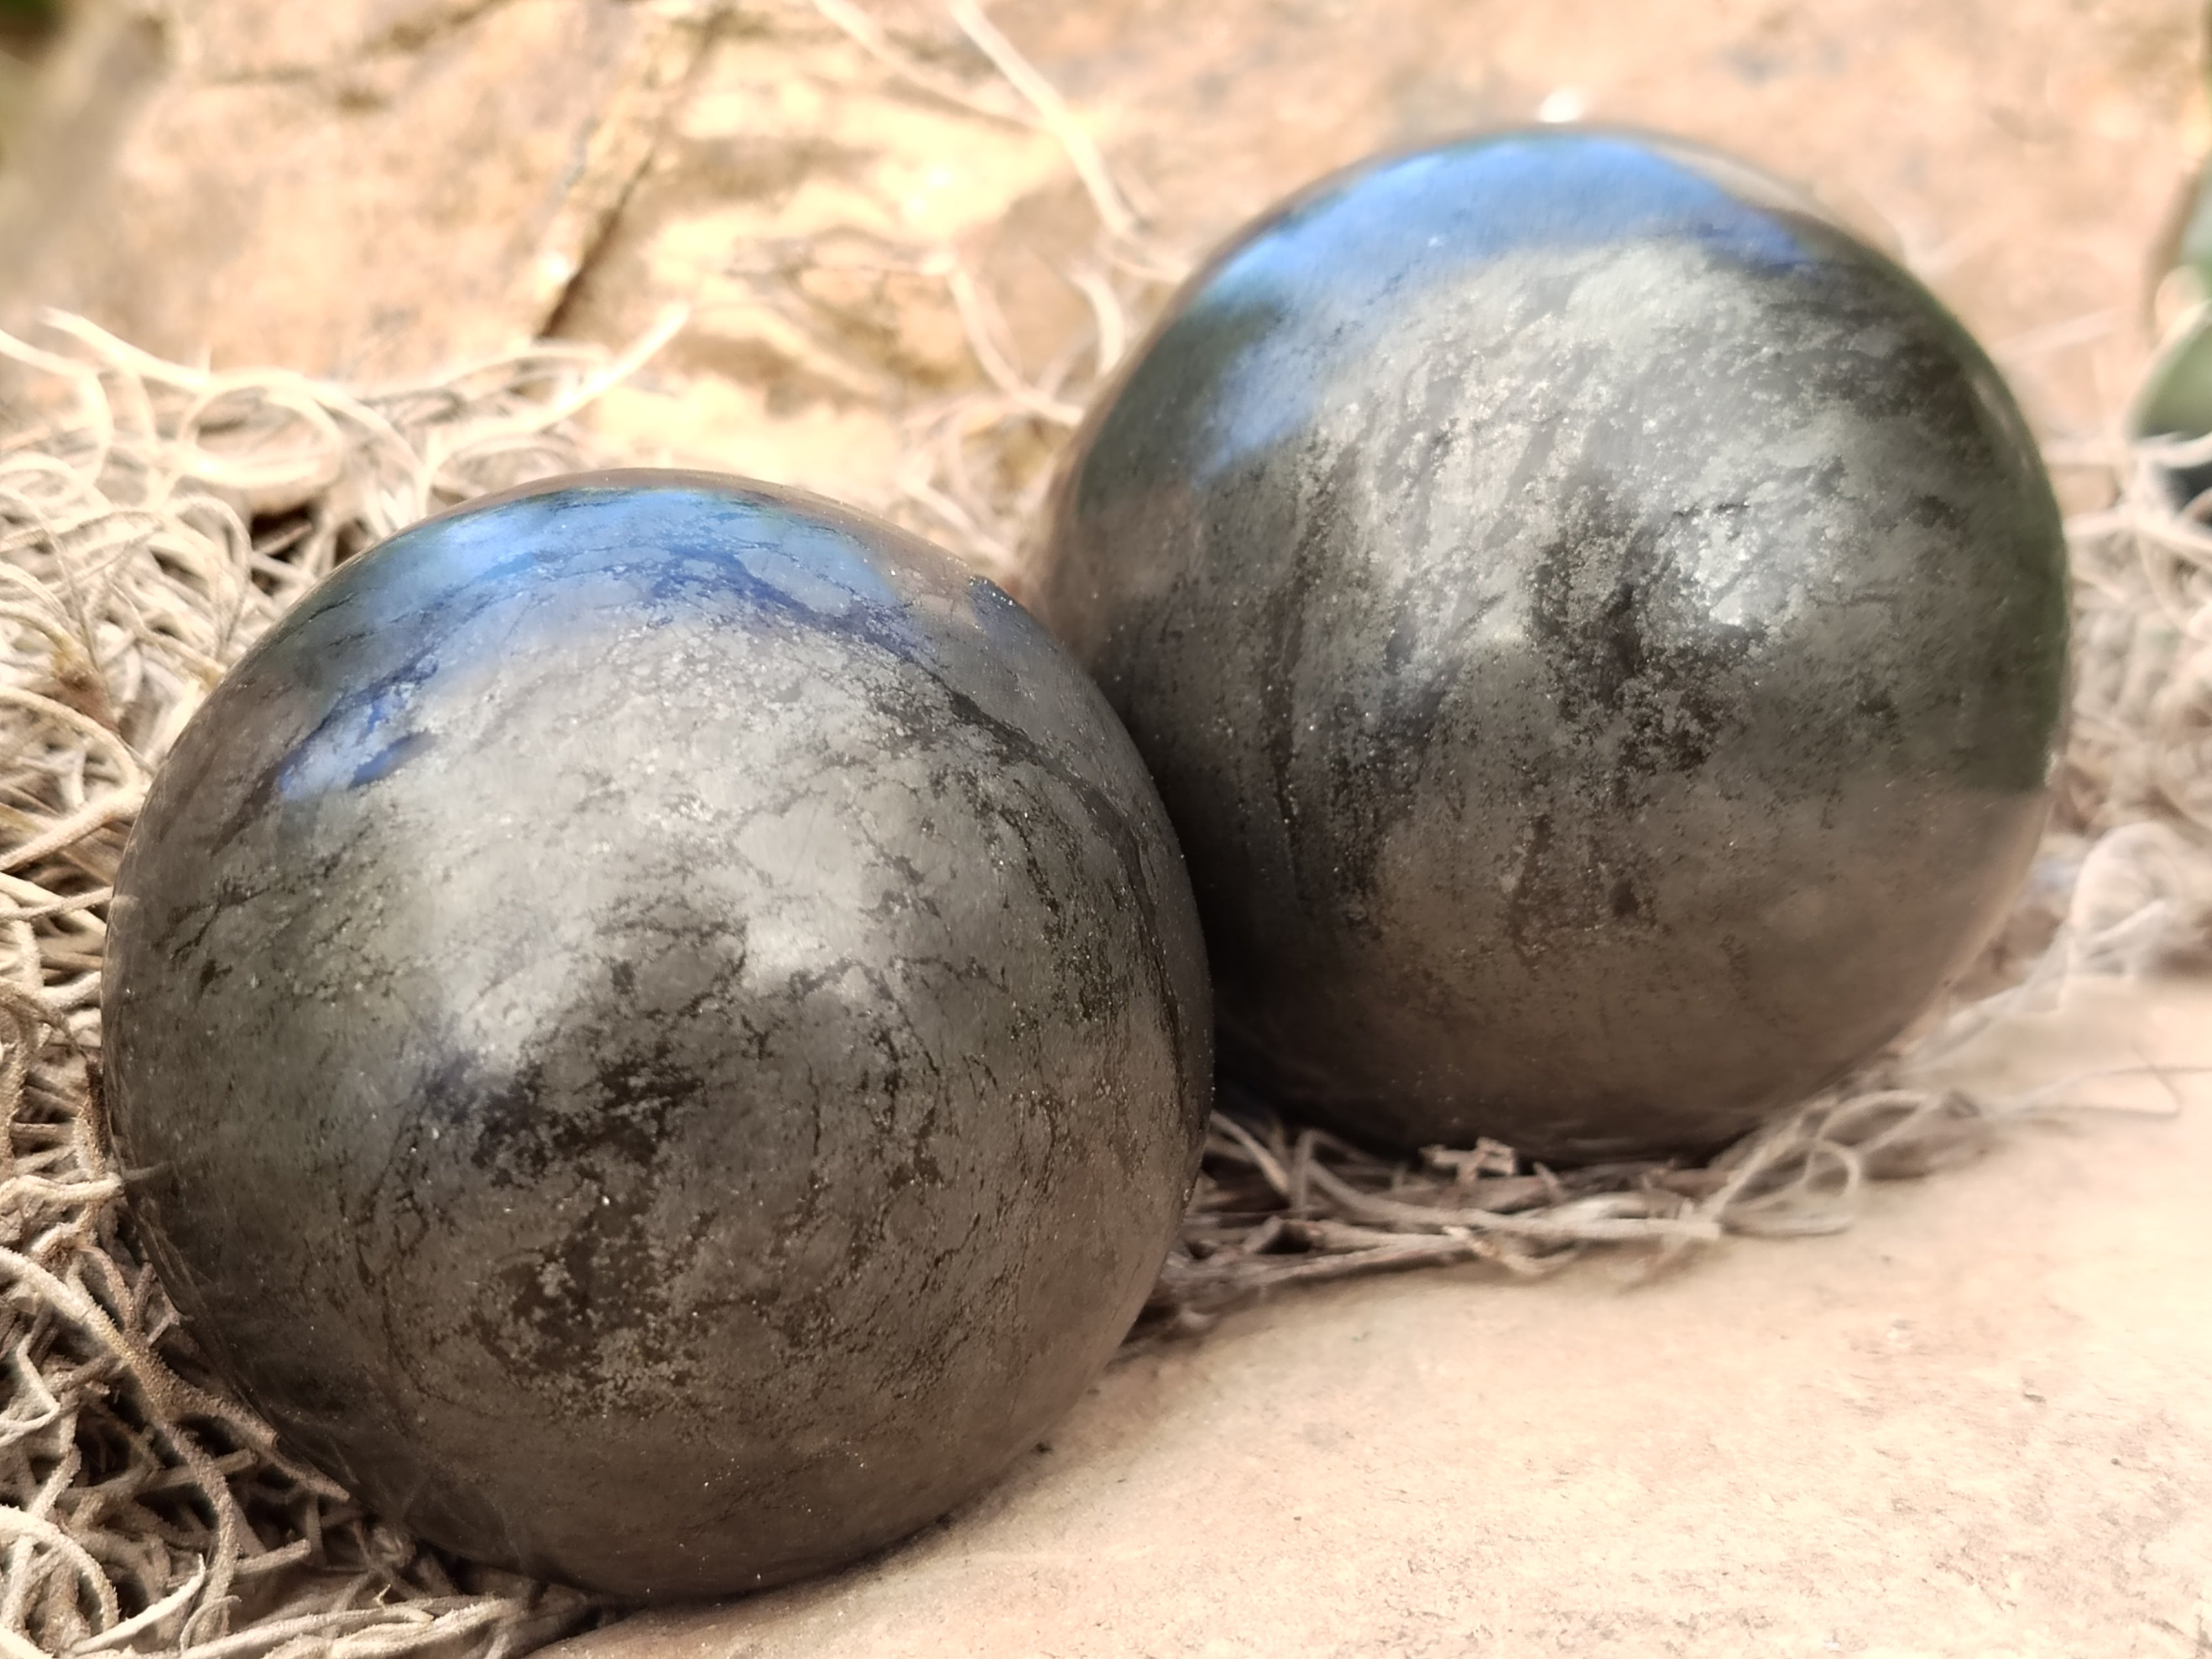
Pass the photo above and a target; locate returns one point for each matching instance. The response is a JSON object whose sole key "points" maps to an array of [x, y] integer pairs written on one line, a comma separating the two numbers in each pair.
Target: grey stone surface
{"points": [[669, 1029], [1599, 630]]}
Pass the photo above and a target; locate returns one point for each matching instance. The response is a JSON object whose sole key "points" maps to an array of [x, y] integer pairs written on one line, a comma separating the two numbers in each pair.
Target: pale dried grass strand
{"points": [[139, 1507]]}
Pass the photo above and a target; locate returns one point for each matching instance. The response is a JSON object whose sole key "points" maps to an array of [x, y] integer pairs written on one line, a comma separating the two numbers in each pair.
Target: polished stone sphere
{"points": [[1598, 627], [668, 1028]]}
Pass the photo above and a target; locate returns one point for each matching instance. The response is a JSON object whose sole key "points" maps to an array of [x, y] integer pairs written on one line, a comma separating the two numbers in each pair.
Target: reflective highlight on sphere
{"points": [[669, 1027], [1599, 630]]}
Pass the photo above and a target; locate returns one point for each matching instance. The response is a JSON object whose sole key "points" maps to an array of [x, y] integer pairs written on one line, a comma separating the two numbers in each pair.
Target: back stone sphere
{"points": [[1598, 628], [669, 1027]]}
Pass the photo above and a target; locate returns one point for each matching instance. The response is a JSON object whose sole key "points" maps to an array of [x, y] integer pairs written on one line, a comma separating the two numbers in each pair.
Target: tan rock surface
{"points": [[1979, 1424], [372, 187], [2022, 156], [368, 188]]}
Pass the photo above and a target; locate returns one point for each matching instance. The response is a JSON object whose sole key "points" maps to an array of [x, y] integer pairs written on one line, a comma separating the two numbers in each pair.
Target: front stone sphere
{"points": [[668, 1029], [1598, 628]]}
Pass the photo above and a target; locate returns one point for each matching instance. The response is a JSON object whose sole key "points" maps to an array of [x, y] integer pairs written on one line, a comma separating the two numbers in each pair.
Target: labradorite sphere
{"points": [[1599, 629], [667, 1027]]}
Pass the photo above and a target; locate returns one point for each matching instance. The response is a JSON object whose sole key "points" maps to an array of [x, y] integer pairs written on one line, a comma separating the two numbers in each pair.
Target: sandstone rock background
{"points": [[375, 187]]}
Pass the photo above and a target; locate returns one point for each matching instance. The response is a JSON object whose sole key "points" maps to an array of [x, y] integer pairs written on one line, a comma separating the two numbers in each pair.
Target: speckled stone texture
{"points": [[1598, 628], [669, 1027]]}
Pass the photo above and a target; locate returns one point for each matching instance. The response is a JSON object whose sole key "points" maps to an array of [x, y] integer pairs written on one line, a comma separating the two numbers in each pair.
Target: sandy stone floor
{"points": [[1980, 1423]]}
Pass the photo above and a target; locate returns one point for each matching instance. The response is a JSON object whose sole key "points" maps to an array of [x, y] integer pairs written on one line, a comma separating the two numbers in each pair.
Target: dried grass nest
{"points": [[156, 519]]}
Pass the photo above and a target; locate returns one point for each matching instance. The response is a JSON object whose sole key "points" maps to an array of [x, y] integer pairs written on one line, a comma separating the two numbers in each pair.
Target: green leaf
{"points": [[2176, 399]]}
